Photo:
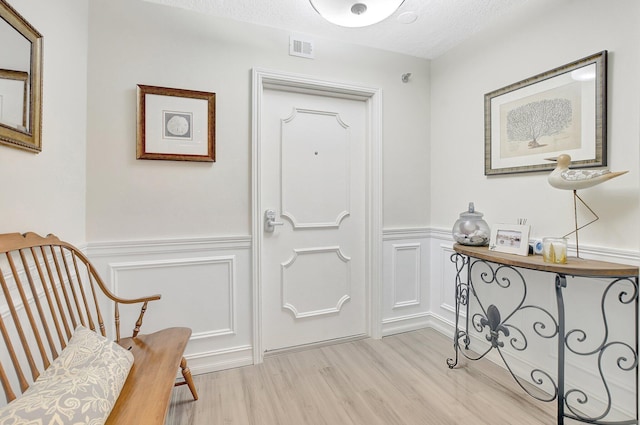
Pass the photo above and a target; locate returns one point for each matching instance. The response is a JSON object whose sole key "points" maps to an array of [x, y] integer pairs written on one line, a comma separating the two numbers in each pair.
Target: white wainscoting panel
{"points": [[405, 286], [212, 278], [442, 281], [204, 283], [406, 273], [448, 283]]}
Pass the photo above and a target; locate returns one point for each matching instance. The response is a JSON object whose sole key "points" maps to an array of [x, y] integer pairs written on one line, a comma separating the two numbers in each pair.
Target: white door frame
{"points": [[275, 80]]}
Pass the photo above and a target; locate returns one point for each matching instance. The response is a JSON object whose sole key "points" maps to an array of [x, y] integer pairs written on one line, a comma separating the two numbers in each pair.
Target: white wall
{"points": [[521, 47], [45, 192], [175, 227], [133, 42]]}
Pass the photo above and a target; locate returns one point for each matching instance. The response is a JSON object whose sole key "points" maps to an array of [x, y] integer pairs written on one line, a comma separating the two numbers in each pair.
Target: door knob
{"points": [[270, 222]]}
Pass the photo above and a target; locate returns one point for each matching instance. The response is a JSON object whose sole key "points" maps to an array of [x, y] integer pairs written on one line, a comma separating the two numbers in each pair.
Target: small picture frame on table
{"points": [[176, 124], [510, 238]]}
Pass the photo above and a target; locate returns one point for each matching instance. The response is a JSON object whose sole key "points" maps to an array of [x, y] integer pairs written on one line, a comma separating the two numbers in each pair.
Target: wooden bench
{"points": [[49, 288]]}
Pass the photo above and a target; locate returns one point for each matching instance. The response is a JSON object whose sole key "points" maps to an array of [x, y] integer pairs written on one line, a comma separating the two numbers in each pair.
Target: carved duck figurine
{"points": [[564, 178]]}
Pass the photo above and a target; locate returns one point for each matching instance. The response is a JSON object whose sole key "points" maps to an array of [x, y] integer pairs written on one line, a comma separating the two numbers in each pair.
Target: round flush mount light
{"points": [[354, 13]]}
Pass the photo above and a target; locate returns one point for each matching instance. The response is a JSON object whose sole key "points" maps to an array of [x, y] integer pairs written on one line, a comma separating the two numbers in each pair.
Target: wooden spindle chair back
{"points": [[49, 288]]}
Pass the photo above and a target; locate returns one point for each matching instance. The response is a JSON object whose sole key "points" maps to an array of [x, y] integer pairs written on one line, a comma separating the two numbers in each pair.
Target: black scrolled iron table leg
{"points": [[461, 299], [561, 282]]}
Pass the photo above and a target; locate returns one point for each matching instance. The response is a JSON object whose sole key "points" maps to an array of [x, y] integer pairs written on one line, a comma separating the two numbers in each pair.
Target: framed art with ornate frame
{"points": [[563, 110], [176, 124], [20, 81]]}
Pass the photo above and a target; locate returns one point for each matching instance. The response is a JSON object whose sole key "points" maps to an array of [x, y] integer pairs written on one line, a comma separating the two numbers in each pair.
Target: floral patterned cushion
{"points": [[80, 387]]}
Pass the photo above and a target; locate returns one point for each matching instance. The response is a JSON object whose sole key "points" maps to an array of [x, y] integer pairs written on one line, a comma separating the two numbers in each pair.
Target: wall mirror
{"points": [[20, 81]]}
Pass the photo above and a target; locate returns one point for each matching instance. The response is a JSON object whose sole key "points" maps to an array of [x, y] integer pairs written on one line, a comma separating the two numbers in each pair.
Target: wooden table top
{"points": [[574, 267]]}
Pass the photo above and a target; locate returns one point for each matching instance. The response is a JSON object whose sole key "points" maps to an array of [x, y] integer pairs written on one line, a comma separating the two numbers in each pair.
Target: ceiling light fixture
{"points": [[355, 13]]}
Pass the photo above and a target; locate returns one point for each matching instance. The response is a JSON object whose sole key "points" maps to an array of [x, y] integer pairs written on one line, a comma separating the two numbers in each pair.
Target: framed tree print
{"points": [[563, 110]]}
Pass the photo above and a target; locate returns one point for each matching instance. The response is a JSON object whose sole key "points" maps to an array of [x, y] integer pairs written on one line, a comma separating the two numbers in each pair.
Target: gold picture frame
{"points": [[20, 82], [176, 124], [563, 110]]}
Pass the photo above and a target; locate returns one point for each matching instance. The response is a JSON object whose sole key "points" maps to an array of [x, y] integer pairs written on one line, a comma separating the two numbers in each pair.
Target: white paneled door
{"points": [[312, 171]]}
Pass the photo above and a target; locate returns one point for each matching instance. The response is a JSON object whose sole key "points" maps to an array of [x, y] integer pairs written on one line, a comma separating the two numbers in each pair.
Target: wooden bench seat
{"points": [[49, 288], [147, 381]]}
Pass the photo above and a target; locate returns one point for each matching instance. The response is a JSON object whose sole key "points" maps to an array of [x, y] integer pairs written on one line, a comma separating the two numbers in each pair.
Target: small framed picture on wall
{"points": [[176, 124]]}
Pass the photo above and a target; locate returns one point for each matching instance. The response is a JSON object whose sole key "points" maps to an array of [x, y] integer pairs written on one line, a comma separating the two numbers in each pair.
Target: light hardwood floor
{"points": [[399, 380]]}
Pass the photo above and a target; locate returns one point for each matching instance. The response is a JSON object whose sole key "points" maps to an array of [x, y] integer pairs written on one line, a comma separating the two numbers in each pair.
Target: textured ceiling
{"points": [[440, 24]]}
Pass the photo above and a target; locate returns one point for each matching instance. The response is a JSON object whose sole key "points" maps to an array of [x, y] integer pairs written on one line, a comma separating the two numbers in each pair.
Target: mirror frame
{"points": [[30, 140]]}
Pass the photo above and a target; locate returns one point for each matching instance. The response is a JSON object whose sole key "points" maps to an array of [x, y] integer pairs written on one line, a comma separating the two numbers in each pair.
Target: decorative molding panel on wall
{"points": [[204, 283], [212, 278], [447, 284], [405, 285], [406, 266]]}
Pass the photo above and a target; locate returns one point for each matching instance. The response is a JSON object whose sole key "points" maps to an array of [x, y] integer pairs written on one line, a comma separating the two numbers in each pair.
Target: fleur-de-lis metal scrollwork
{"points": [[493, 320]]}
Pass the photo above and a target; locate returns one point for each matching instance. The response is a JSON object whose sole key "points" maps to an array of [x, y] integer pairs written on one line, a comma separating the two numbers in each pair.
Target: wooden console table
{"points": [[502, 271]]}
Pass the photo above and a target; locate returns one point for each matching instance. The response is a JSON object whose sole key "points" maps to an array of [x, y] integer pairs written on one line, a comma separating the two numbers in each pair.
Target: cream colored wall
{"points": [[134, 42], [519, 48], [45, 192]]}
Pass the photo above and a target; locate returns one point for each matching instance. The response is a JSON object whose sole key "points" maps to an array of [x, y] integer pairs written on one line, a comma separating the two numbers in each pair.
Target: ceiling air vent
{"points": [[300, 46]]}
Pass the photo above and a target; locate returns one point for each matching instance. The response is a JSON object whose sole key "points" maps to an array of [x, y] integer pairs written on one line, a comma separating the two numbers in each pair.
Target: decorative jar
{"points": [[471, 229]]}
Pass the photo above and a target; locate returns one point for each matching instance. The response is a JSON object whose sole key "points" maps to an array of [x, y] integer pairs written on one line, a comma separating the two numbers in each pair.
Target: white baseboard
{"points": [[217, 360], [405, 323]]}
